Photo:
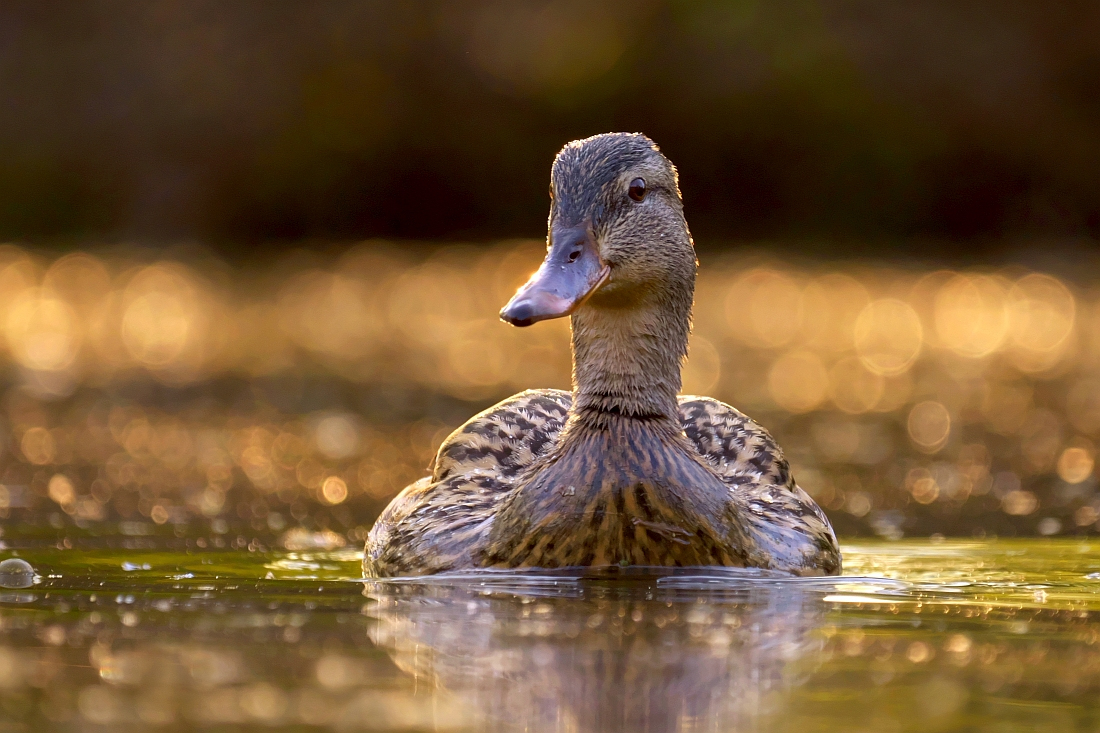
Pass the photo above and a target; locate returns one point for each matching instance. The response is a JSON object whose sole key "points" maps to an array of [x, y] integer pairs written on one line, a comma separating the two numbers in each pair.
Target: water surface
{"points": [[991, 635]]}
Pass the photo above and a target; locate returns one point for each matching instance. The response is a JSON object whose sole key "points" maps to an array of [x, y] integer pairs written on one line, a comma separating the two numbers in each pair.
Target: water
{"points": [[992, 635], [164, 424]]}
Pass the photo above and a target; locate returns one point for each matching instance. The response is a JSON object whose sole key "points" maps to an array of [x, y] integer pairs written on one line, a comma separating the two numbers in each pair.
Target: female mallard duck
{"points": [[623, 471]]}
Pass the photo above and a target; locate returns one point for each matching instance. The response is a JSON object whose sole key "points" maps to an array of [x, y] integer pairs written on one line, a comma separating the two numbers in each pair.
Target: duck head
{"points": [[616, 233], [621, 262]]}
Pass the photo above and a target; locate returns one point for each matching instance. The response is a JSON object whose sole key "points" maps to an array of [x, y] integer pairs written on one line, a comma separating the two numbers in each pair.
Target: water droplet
{"points": [[16, 573]]}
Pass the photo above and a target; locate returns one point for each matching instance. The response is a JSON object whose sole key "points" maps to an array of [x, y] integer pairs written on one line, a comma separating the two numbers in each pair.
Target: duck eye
{"points": [[637, 189]]}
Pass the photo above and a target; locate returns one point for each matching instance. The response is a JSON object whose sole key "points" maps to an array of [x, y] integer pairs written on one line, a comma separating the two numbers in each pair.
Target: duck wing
{"points": [[788, 529], [438, 522]]}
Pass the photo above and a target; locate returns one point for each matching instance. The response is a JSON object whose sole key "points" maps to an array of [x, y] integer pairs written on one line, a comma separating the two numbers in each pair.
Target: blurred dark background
{"points": [[246, 122]]}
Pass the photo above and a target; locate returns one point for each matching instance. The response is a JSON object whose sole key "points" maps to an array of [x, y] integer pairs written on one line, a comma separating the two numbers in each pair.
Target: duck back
{"points": [[513, 487]]}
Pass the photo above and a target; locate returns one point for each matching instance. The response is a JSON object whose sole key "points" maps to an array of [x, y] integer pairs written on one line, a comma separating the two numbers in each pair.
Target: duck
{"points": [[623, 470]]}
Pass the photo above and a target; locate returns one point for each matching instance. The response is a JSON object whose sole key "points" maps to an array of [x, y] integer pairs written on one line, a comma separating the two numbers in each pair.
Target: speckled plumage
{"points": [[621, 471], [445, 521]]}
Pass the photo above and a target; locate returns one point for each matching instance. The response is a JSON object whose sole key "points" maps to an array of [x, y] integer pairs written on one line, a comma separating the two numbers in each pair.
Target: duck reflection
{"points": [[655, 653]]}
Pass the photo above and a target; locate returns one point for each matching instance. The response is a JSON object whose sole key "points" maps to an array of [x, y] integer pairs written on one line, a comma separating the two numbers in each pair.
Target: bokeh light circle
{"points": [[798, 381], [971, 315], [764, 308], [853, 387], [929, 425], [888, 336], [1042, 312]]}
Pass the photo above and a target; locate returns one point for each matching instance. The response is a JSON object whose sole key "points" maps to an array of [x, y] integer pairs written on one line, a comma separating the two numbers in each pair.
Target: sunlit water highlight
{"points": [[995, 635], [188, 396]]}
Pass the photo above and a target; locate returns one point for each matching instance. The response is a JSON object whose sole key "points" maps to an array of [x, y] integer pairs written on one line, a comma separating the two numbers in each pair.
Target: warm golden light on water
{"points": [[889, 389], [831, 305], [798, 381], [888, 336], [929, 425], [764, 308], [922, 485], [1075, 465], [970, 315], [334, 490], [1020, 503], [1041, 313], [159, 310], [853, 387], [61, 489], [379, 313]]}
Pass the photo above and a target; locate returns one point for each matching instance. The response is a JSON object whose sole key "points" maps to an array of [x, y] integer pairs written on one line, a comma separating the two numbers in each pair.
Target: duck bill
{"points": [[571, 272]]}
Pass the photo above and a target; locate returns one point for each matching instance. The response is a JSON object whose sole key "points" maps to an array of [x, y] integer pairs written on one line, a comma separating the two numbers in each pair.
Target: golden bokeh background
{"points": [[302, 394]]}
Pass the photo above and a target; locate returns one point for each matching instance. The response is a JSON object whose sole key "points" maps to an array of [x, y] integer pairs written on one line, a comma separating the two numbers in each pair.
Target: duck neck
{"points": [[627, 357]]}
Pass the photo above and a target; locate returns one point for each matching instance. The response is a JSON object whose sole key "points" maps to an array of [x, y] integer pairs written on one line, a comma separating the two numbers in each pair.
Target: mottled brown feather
{"points": [[446, 521], [789, 530], [440, 521]]}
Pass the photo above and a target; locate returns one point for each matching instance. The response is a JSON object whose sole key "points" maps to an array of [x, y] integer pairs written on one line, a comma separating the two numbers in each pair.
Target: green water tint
{"points": [[998, 636]]}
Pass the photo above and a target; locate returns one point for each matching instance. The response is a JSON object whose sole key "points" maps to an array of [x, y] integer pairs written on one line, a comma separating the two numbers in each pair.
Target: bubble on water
{"points": [[16, 573]]}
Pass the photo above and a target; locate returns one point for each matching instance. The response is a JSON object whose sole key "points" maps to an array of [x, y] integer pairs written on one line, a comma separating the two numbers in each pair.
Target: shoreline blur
{"points": [[200, 398]]}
